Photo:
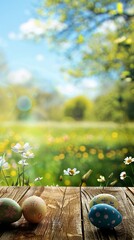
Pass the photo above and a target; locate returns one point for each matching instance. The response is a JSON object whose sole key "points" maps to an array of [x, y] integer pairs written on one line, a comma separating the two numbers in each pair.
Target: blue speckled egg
{"points": [[104, 216]]}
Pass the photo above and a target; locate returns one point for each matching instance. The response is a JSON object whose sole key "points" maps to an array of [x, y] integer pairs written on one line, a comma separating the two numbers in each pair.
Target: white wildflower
{"points": [[27, 154], [3, 163], [128, 160], [101, 179], [38, 179], [123, 175], [18, 148], [71, 172], [23, 162]]}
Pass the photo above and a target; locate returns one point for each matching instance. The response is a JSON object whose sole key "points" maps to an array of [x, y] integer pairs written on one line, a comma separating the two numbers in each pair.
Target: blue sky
{"points": [[28, 58]]}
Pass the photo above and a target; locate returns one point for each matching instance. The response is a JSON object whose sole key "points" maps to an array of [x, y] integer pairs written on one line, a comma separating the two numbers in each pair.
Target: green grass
{"points": [[101, 147]]}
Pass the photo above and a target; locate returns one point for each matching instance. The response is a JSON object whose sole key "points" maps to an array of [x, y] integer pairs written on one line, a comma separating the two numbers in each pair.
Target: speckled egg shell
{"points": [[10, 210], [34, 209], [104, 216], [104, 198]]}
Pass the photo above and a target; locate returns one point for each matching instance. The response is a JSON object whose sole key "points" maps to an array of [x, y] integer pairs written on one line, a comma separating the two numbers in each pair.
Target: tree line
{"points": [[115, 104]]}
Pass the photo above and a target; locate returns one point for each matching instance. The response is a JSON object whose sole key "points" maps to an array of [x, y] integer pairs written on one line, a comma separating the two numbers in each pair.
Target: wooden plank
{"points": [[129, 212], [15, 193], [130, 194], [67, 214], [124, 231], [62, 221]]}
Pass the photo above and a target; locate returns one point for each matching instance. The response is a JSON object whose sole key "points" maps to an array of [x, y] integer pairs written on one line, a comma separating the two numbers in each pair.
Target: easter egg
{"points": [[10, 210], [104, 216], [34, 209], [104, 198]]}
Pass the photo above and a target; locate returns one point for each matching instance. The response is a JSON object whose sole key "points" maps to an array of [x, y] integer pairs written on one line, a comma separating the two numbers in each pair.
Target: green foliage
{"points": [[99, 33], [78, 108], [116, 104]]}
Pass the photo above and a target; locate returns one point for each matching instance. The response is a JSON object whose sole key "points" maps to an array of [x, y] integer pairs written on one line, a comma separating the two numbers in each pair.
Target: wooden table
{"points": [[67, 214]]}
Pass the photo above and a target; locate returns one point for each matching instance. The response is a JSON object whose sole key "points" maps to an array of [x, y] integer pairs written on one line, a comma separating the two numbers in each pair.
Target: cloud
{"points": [[40, 57], [21, 76], [86, 87], [31, 28], [35, 28], [68, 89], [89, 83], [38, 28]]}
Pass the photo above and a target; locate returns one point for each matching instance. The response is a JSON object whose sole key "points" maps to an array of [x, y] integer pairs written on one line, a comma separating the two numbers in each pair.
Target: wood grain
{"points": [[62, 221], [125, 230], [67, 214]]}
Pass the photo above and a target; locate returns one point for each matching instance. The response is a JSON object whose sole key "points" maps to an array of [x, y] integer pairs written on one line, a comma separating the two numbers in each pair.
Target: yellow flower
{"points": [[67, 182], [13, 173], [93, 151], [61, 156], [114, 135], [101, 156], [82, 148], [85, 155]]}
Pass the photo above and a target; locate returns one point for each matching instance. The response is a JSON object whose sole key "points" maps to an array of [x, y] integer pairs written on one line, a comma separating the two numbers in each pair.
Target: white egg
{"points": [[34, 209]]}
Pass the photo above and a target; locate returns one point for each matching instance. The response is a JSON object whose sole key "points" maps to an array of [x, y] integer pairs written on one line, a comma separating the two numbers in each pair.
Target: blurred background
{"points": [[66, 87]]}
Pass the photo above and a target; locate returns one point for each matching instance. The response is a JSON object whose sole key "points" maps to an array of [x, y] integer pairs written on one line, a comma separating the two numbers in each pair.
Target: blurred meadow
{"points": [[97, 146], [66, 88]]}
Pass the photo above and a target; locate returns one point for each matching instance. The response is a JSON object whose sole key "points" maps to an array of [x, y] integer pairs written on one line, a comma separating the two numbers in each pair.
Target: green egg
{"points": [[10, 210]]}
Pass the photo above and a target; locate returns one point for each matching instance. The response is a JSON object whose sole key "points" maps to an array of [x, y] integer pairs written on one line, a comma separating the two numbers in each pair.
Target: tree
{"points": [[115, 105], [99, 35], [78, 108]]}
